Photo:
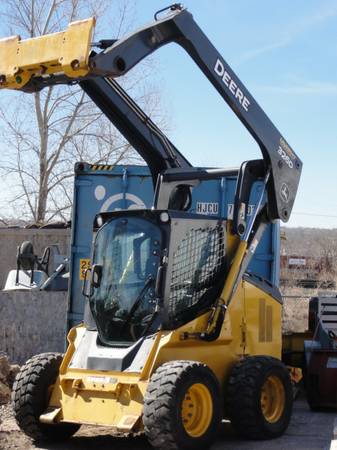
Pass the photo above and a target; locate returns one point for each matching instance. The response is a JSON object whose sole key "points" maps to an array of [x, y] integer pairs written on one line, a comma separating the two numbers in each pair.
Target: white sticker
{"points": [[230, 210], [207, 208], [102, 380]]}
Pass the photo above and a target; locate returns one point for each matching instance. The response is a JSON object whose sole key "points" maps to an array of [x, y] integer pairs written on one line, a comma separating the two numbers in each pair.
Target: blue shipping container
{"points": [[108, 188]]}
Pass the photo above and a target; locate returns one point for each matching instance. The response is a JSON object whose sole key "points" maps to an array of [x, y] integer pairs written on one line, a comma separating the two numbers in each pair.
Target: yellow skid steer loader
{"points": [[176, 334]]}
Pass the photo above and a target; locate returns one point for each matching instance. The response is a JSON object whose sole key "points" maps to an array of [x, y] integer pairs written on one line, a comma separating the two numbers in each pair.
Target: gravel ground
{"points": [[307, 431]]}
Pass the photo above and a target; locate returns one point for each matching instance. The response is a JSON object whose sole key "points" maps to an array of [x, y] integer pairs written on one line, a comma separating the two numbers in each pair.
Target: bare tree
{"points": [[43, 134]]}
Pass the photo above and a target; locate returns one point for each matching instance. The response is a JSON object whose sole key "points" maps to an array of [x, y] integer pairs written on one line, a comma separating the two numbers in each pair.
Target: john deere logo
{"points": [[284, 192]]}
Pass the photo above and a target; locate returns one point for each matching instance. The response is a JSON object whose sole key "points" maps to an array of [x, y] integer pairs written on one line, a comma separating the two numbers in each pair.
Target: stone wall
{"points": [[32, 322], [10, 238]]}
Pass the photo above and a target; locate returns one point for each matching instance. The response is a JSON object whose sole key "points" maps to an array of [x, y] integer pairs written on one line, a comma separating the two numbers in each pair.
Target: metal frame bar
{"points": [[140, 131]]}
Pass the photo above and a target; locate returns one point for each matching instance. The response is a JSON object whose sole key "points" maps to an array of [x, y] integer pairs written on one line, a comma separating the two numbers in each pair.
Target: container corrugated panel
{"points": [[100, 188]]}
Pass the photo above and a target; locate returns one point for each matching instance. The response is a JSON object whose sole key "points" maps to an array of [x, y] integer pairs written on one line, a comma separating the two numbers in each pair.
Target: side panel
{"points": [[107, 188], [263, 319]]}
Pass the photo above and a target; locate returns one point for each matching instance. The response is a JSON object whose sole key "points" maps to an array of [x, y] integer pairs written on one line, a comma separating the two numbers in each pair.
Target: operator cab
{"points": [[153, 268], [161, 268]]}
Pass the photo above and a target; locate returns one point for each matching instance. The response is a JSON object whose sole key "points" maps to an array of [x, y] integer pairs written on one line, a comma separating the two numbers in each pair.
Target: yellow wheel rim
{"points": [[197, 410], [272, 399]]}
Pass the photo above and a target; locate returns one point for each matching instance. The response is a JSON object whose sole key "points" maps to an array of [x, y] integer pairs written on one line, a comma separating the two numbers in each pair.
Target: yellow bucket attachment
{"points": [[66, 52]]}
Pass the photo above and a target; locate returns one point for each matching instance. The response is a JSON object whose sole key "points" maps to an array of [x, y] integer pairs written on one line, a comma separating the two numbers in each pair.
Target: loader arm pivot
{"points": [[179, 27]]}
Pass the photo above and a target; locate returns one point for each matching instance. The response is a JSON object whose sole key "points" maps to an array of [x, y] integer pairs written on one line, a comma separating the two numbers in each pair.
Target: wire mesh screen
{"points": [[197, 263]]}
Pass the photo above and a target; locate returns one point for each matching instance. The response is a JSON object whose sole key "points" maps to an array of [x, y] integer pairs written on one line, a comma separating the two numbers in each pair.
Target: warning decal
{"points": [[84, 265]]}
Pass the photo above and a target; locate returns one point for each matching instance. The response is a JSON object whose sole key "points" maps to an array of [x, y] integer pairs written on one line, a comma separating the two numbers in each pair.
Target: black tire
{"points": [[245, 394], [170, 387], [30, 398]]}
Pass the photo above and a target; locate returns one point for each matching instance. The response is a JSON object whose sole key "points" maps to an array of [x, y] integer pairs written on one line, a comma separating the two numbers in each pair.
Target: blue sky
{"points": [[286, 55]]}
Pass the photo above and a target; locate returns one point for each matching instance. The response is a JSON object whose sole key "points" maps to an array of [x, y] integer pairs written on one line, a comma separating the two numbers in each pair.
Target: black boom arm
{"points": [[179, 27], [140, 131]]}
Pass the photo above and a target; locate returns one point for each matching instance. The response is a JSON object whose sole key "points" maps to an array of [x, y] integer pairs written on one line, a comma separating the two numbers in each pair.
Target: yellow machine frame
{"points": [[251, 327]]}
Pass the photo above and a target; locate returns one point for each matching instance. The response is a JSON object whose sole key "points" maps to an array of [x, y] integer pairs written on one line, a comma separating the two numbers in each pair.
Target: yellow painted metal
{"points": [[272, 399], [197, 410], [238, 336], [66, 52], [233, 241], [100, 398], [272, 343], [234, 270]]}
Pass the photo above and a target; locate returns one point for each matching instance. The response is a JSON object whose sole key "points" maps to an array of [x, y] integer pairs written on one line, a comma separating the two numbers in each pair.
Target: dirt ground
{"points": [[307, 431]]}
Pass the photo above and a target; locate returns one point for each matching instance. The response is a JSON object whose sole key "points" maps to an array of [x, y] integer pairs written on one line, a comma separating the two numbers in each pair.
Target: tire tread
{"points": [[241, 397], [160, 400], [27, 394]]}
